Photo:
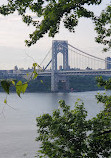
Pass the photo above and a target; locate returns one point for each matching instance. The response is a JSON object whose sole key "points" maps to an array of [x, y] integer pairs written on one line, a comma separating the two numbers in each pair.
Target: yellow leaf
{"points": [[13, 82], [41, 81], [5, 101]]}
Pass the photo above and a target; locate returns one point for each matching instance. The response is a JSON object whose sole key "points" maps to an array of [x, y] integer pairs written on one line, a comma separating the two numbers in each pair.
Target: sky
{"points": [[13, 33]]}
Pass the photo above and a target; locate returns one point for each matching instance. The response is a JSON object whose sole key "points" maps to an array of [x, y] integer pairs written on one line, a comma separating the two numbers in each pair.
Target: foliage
{"points": [[19, 86], [46, 16], [67, 133], [105, 98], [84, 83], [104, 83], [103, 28]]}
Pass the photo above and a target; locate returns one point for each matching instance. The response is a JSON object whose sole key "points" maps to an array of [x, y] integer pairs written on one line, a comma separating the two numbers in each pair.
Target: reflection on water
{"points": [[18, 127]]}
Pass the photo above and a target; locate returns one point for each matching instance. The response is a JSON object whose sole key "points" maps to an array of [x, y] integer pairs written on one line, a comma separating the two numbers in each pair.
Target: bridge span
{"points": [[76, 72], [84, 64]]}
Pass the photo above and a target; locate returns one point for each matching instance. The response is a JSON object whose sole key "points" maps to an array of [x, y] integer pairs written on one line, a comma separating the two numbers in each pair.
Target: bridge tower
{"points": [[57, 47]]}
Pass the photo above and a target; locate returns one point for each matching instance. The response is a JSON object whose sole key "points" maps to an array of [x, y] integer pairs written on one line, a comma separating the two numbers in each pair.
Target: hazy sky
{"points": [[13, 32]]}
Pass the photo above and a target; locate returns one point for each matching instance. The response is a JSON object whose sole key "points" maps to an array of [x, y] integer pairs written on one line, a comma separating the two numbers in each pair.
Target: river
{"points": [[18, 123]]}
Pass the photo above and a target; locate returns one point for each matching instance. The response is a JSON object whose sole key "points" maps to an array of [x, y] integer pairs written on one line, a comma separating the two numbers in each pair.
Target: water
{"points": [[18, 125]]}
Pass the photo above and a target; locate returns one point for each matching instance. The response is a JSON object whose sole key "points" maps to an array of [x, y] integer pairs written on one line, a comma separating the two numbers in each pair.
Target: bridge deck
{"points": [[77, 72]]}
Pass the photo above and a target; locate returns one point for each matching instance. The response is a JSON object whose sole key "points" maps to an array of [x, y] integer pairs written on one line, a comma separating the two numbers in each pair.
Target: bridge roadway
{"points": [[76, 72]]}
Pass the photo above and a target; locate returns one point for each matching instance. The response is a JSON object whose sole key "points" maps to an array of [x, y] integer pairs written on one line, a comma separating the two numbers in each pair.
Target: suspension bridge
{"points": [[64, 60]]}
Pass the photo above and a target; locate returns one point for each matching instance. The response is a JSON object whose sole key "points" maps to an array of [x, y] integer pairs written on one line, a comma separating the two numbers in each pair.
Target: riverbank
{"points": [[76, 84]]}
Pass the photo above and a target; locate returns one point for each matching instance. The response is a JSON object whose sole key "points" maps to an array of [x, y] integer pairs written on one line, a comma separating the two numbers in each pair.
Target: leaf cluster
{"points": [[19, 86], [104, 83], [103, 98], [67, 133], [46, 15], [103, 28]]}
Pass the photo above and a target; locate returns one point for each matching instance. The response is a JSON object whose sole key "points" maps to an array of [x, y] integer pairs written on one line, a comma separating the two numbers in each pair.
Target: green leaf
{"points": [[35, 75], [34, 65], [24, 87], [41, 81], [5, 101], [13, 82], [21, 87], [6, 85]]}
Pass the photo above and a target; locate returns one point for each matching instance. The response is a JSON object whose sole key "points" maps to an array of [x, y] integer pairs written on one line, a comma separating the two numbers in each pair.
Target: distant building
{"points": [[108, 63], [88, 68], [15, 67]]}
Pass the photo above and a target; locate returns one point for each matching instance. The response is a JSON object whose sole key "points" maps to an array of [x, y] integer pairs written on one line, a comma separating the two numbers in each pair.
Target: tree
{"points": [[67, 133], [103, 28], [49, 14]]}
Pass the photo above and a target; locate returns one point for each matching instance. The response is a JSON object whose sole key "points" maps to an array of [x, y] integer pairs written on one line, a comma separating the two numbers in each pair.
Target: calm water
{"points": [[18, 127]]}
